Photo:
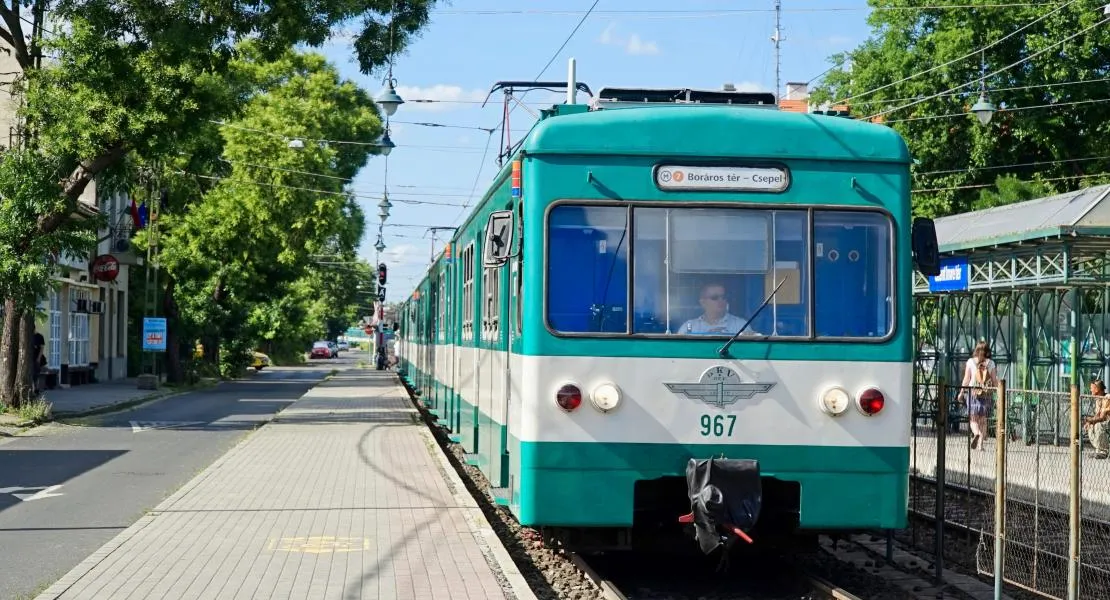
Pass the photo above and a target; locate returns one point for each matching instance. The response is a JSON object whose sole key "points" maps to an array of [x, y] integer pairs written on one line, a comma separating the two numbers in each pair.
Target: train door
{"points": [[485, 369], [508, 299], [433, 338], [468, 356]]}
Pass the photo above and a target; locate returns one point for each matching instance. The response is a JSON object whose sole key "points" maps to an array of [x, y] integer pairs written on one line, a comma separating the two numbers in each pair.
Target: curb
{"points": [[30, 426], [133, 403], [74, 575], [479, 526]]}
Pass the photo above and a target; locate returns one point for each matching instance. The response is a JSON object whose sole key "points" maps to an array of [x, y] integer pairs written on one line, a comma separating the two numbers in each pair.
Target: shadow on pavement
{"points": [[29, 472]]}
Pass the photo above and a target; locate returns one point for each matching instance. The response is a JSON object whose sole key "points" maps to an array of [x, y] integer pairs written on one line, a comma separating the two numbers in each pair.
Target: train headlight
{"points": [[606, 397], [569, 397], [835, 401], [870, 401]]}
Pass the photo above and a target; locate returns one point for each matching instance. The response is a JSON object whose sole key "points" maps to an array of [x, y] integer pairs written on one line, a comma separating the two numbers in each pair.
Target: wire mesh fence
{"points": [[1051, 505]]}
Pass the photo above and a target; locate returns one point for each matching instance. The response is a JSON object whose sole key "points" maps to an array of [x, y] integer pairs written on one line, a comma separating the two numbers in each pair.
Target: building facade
{"points": [[84, 319]]}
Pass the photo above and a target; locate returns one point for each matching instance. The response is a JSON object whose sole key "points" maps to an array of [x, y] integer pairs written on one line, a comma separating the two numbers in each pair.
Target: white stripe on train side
{"points": [[787, 414]]}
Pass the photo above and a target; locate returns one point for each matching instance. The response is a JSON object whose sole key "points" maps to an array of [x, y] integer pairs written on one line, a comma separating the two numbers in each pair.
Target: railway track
{"points": [[1037, 538], [631, 576]]}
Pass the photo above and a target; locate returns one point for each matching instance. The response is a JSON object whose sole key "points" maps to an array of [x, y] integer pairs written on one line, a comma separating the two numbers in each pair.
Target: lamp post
{"points": [[984, 109]]}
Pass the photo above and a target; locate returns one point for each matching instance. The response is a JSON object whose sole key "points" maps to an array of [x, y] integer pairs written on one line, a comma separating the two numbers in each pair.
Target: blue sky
{"points": [[471, 44]]}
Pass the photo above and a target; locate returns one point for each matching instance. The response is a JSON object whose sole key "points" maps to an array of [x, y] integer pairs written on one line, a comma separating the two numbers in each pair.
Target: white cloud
{"points": [[633, 44], [636, 46], [448, 97], [401, 254]]}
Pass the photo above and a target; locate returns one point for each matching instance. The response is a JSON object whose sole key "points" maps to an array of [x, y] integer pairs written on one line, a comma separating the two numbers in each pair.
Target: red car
{"points": [[322, 350]]}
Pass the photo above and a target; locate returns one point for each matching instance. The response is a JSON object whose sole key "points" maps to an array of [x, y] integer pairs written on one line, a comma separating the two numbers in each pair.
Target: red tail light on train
{"points": [[569, 397], [871, 402]]}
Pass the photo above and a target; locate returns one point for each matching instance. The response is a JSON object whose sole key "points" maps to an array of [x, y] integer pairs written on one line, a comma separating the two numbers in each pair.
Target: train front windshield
{"points": [[702, 271]]}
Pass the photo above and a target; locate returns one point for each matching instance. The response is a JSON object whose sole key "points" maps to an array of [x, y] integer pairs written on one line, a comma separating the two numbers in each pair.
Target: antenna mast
{"points": [[778, 39]]}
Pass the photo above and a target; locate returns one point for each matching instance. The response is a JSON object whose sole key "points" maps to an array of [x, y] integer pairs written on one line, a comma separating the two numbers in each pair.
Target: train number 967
{"points": [[718, 425]]}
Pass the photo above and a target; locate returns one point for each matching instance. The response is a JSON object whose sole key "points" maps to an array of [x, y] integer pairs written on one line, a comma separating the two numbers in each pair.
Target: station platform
{"points": [[1038, 474], [345, 494]]}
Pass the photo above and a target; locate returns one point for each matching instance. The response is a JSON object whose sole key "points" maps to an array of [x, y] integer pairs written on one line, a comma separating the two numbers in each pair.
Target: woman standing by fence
{"points": [[981, 376]]}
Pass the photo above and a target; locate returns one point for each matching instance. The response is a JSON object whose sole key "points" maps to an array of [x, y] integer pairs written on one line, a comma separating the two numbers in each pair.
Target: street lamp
{"points": [[388, 99], [386, 144], [983, 109], [380, 246]]}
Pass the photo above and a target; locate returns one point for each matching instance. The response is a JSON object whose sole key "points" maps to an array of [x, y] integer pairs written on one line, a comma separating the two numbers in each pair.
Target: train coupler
{"points": [[725, 499]]}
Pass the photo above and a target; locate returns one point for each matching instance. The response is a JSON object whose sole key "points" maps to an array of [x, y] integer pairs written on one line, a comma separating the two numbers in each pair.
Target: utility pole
{"points": [[778, 39]]}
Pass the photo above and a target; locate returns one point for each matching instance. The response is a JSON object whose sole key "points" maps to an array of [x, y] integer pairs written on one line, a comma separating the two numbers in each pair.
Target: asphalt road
{"points": [[67, 489]]}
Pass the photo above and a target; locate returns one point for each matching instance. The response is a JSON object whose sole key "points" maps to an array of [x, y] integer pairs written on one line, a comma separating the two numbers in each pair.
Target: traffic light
{"points": [[381, 273]]}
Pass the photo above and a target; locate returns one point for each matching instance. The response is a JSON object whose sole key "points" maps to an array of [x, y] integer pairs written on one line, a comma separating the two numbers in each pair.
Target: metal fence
{"points": [[1030, 506]]}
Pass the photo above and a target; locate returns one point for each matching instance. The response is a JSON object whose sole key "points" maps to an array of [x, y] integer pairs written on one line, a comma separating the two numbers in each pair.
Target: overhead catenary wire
{"points": [[1038, 163], [993, 73], [710, 12], [956, 60], [360, 196], [1001, 110], [989, 185], [1002, 89]]}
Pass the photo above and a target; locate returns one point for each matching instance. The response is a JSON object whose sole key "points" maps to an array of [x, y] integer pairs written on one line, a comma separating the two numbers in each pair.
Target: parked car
{"points": [[323, 350], [259, 360]]}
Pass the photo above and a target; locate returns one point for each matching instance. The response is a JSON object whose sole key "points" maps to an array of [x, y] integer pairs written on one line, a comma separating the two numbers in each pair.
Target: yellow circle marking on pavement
{"points": [[321, 544]]}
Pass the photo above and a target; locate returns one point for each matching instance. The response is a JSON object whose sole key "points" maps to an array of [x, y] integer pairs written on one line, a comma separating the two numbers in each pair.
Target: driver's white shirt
{"points": [[727, 325]]}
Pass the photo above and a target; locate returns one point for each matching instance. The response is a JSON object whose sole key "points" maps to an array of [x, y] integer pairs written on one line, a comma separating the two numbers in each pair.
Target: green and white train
{"points": [[675, 305]]}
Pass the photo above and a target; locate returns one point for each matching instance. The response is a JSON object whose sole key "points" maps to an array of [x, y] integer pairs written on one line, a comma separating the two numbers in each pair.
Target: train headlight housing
{"points": [[606, 397], [569, 397], [870, 401], [835, 400]]}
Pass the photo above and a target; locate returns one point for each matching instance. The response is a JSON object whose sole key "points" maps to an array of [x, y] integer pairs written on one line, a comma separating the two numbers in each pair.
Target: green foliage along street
{"points": [[919, 72], [127, 94]]}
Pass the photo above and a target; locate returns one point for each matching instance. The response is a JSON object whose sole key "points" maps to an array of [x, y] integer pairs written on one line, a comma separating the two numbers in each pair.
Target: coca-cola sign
{"points": [[105, 268]]}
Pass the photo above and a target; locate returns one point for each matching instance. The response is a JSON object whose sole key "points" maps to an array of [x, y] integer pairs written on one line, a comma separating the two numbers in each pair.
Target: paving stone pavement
{"points": [[343, 495]]}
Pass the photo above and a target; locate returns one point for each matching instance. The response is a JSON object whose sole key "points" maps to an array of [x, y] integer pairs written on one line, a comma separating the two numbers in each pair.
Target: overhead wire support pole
{"points": [[777, 39]]}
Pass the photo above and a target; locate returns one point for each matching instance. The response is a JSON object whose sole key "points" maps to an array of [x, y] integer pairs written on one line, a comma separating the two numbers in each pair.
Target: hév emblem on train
{"points": [[720, 386]]}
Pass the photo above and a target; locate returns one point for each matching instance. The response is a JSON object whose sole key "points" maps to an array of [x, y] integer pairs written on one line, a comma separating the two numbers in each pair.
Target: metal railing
{"points": [[1030, 506]]}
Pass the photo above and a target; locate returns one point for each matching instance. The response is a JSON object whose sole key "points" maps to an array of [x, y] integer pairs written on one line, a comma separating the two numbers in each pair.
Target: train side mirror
{"points": [[499, 238], [926, 250]]}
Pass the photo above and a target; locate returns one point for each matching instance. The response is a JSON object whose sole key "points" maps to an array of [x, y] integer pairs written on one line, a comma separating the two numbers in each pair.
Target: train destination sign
{"points": [[722, 179]]}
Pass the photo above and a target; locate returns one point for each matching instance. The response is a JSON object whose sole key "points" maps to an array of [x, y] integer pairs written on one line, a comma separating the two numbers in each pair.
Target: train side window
{"points": [[853, 274], [587, 269]]}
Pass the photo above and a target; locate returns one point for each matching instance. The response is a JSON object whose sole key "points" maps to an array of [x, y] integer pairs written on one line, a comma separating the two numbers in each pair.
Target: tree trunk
{"points": [[76, 183], [8, 351], [24, 387], [175, 368], [212, 340]]}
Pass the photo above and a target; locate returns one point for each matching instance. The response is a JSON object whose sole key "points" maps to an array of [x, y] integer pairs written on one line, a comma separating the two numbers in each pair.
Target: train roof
{"points": [[714, 130]]}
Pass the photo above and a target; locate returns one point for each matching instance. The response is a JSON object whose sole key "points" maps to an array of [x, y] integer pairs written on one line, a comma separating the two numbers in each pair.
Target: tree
{"points": [[920, 68], [29, 186], [244, 249], [145, 77]]}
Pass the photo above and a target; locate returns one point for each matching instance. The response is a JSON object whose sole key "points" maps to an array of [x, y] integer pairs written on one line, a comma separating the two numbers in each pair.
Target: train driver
{"points": [[715, 318]]}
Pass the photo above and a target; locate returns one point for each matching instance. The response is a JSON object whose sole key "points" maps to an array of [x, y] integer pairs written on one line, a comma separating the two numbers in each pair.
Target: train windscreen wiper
{"points": [[723, 350]]}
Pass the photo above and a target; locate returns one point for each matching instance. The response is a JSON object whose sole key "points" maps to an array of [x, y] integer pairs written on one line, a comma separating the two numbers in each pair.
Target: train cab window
{"points": [[705, 271], [587, 269], [854, 275]]}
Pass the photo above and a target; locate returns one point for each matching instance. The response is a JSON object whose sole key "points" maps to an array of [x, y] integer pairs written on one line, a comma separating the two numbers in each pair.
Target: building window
{"points": [[78, 328], [121, 324], [54, 341]]}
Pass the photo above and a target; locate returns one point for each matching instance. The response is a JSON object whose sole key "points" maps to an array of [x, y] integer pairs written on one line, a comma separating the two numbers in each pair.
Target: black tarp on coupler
{"points": [[724, 493]]}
